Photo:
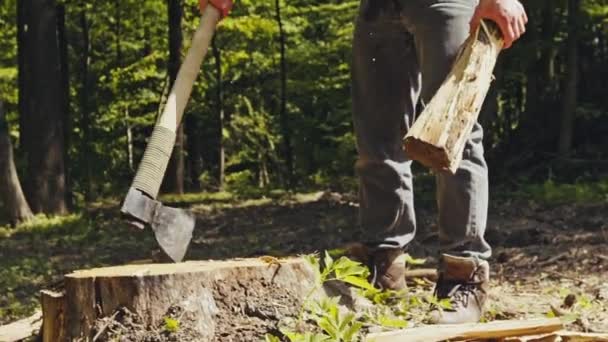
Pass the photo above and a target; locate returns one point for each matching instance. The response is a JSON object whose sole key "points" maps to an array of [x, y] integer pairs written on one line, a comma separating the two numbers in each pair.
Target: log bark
{"points": [[438, 136], [151, 290], [53, 305], [466, 332]]}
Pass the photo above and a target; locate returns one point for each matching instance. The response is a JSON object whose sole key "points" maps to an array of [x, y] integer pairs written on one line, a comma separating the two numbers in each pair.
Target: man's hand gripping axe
{"points": [[172, 226]]}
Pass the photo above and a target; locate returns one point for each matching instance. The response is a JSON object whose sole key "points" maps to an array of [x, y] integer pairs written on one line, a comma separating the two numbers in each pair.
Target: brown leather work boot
{"points": [[387, 268], [386, 265], [465, 281]]}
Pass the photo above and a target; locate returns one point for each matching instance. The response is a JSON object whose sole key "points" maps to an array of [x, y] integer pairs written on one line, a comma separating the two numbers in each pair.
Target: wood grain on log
{"points": [[479, 331], [151, 290], [572, 336], [438, 136]]}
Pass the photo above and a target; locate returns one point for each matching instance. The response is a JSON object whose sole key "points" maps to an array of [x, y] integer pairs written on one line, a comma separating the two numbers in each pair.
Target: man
{"points": [[403, 50]]}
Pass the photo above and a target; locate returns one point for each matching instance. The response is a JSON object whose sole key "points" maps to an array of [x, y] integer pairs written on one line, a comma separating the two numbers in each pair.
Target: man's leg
{"points": [[440, 27], [385, 86]]}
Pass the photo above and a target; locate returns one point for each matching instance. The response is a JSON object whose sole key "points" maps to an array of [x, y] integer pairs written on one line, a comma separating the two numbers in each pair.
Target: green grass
{"points": [[558, 193], [37, 254]]}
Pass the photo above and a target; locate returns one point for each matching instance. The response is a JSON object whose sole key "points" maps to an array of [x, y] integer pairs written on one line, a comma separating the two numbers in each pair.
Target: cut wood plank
{"points": [[572, 336], [438, 136], [460, 332], [21, 329], [534, 338], [428, 273], [152, 290]]}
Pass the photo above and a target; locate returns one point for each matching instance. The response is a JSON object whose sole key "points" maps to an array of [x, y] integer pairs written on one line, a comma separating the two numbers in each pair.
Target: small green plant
{"points": [[271, 338], [443, 304], [390, 310], [171, 325], [306, 337], [337, 326]]}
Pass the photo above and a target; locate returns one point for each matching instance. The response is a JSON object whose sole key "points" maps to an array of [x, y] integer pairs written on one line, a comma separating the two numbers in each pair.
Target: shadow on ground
{"points": [[542, 253]]}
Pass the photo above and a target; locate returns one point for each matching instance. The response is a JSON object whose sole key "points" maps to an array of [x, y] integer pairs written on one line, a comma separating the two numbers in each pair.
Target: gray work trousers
{"points": [[403, 50]]}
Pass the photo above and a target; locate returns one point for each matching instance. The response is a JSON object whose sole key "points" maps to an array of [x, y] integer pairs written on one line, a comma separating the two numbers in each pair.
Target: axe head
{"points": [[172, 226]]}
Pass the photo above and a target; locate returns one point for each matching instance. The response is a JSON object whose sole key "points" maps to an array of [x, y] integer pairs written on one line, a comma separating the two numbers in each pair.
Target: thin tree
{"points": [[284, 120], [42, 118], [85, 61], [219, 99], [571, 85], [65, 100], [12, 195], [174, 179]]}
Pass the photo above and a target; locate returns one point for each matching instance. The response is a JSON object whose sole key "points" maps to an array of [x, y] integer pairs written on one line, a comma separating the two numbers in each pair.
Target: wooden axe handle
{"points": [[154, 163], [180, 92]]}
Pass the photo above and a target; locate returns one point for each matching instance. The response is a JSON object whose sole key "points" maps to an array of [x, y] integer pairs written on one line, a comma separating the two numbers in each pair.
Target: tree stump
{"points": [[438, 136], [201, 289]]}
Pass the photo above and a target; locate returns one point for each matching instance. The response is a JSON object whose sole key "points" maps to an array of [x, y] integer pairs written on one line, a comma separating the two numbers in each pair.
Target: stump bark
{"points": [[152, 290], [438, 136]]}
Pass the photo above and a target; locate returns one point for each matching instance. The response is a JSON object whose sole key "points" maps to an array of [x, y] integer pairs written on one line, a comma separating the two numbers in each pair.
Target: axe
{"points": [[172, 226]]}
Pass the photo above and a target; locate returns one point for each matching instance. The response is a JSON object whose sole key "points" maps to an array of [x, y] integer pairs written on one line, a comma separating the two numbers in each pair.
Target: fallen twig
{"points": [[554, 259], [105, 326], [565, 276]]}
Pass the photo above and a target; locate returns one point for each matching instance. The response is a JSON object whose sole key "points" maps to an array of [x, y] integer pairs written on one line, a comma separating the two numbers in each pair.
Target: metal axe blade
{"points": [[173, 230], [172, 226]]}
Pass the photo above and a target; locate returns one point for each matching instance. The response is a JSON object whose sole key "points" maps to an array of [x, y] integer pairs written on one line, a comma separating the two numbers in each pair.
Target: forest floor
{"points": [[544, 253]]}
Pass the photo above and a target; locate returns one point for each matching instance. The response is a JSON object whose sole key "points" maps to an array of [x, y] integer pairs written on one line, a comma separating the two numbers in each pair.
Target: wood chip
{"points": [[21, 329]]}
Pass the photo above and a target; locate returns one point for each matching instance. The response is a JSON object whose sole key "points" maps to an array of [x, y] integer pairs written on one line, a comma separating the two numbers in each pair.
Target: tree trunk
{"points": [[22, 74], [117, 33], [87, 150], [220, 114], [283, 101], [571, 85], [65, 101], [43, 118], [12, 195], [174, 178]]}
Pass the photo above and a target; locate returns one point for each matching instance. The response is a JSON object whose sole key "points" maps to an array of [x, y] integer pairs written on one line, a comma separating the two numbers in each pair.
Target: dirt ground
{"points": [[547, 259], [541, 253]]}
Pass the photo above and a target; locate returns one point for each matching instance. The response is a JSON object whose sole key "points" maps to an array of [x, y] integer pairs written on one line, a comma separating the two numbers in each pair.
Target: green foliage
{"points": [[390, 309], [345, 270], [271, 338], [336, 325], [127, 75], [38, 253]]}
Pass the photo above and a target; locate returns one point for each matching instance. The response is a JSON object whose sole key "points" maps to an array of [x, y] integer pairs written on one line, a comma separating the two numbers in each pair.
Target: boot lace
{"points": [[459, 292]]}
